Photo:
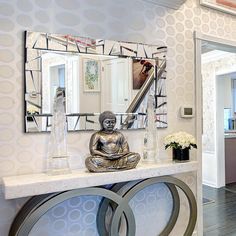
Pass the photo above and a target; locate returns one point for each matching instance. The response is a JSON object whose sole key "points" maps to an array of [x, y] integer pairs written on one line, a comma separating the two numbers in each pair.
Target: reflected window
{"points": [[57, 79], [227, 115], [61, 75]]}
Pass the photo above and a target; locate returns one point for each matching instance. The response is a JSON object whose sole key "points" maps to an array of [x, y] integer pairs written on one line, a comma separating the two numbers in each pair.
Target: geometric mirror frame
{"points": [[95, 75]]}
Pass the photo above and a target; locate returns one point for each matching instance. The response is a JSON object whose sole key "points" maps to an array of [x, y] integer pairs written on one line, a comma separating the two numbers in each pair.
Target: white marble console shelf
{"points": [[36, 184]]}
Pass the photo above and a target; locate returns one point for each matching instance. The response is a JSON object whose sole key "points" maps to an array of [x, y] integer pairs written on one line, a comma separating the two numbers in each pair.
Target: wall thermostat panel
{"points": [[186, 112]]}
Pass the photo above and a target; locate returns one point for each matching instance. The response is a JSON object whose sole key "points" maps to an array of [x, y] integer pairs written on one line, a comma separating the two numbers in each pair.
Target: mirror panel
{"points": [[96, 75]]}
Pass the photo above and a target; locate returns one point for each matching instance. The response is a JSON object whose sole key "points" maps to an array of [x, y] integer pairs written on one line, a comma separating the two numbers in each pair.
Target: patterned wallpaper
{"points": [[81, 219], [209, 72], [25, 153]]}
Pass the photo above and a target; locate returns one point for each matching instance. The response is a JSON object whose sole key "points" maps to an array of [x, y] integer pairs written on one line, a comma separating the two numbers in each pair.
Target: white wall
{"points": [[228, 91], [220, 138], [25, 153], [209, 169]]}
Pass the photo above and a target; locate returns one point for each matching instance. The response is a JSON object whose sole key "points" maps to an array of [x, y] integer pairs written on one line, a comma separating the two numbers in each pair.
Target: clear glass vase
{"points": [[58, 159], [150, 136]]}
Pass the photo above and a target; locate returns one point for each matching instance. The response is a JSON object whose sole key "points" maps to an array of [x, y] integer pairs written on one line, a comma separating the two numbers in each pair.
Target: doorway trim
{"points": [[224, 45]]}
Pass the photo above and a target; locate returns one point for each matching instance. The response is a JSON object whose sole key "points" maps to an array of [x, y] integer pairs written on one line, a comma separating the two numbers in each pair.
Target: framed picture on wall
{"points": [[91, 75], [142, 69], [227, 6]]}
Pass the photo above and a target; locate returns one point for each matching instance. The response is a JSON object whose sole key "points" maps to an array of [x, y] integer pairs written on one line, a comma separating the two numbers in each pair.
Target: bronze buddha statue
{"points": [[109, 149]]}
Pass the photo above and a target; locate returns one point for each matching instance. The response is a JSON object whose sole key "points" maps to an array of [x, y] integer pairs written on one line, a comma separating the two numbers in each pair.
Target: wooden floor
{"points": [[219, 217]]}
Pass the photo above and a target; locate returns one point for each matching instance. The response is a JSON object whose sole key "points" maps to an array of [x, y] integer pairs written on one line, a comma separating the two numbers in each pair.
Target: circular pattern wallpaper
{"points": [[126, 20]]}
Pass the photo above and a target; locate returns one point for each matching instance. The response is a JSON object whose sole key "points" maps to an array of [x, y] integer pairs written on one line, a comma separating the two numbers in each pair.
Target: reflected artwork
{"points": [[141, 71]]}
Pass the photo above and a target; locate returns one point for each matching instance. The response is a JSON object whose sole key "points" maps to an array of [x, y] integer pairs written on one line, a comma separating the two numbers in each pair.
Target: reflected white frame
{"points": [[220, 7]]}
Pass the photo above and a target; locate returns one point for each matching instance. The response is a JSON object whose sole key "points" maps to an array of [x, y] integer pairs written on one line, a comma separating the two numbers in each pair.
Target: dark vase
{"points": [[180, 154]]}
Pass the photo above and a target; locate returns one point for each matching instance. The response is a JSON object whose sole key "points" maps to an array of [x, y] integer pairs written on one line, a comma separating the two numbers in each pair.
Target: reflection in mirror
{"points": [[96, 75]]}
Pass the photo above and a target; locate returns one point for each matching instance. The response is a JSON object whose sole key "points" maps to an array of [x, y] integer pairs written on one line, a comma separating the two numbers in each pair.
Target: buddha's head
{"points": [[107, 120]]}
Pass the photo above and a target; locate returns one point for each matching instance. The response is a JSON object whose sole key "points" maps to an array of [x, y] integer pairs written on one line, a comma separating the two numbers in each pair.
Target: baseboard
{"points": [[210, 184]]}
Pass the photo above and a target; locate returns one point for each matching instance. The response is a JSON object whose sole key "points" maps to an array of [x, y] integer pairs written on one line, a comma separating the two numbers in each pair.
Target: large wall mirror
{"points": [[95, 75]]}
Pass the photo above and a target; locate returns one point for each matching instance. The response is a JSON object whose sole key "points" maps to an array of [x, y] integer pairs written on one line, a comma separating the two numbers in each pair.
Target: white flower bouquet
{"points": [[180, 140]]}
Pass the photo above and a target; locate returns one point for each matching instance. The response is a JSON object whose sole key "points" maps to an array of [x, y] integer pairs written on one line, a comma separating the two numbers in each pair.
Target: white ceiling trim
{"points": [[215, 55], [174, 4]]}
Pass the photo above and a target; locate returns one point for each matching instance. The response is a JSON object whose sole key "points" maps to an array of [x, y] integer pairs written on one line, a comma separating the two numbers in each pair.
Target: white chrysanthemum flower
{"points": [[180, 140]]}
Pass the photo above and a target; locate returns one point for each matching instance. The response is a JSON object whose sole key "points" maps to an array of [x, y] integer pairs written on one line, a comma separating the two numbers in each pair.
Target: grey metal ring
{"points": [[163, 179], [105, 203], [38, 206], [30, 206]]}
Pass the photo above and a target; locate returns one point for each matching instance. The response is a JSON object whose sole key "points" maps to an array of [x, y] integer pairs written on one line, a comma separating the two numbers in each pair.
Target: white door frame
{"points": [[223, 44], [198, 128]]}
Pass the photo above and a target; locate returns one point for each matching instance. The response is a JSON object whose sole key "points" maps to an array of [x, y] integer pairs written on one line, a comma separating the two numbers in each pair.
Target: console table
{"points": [[48, 191]]}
